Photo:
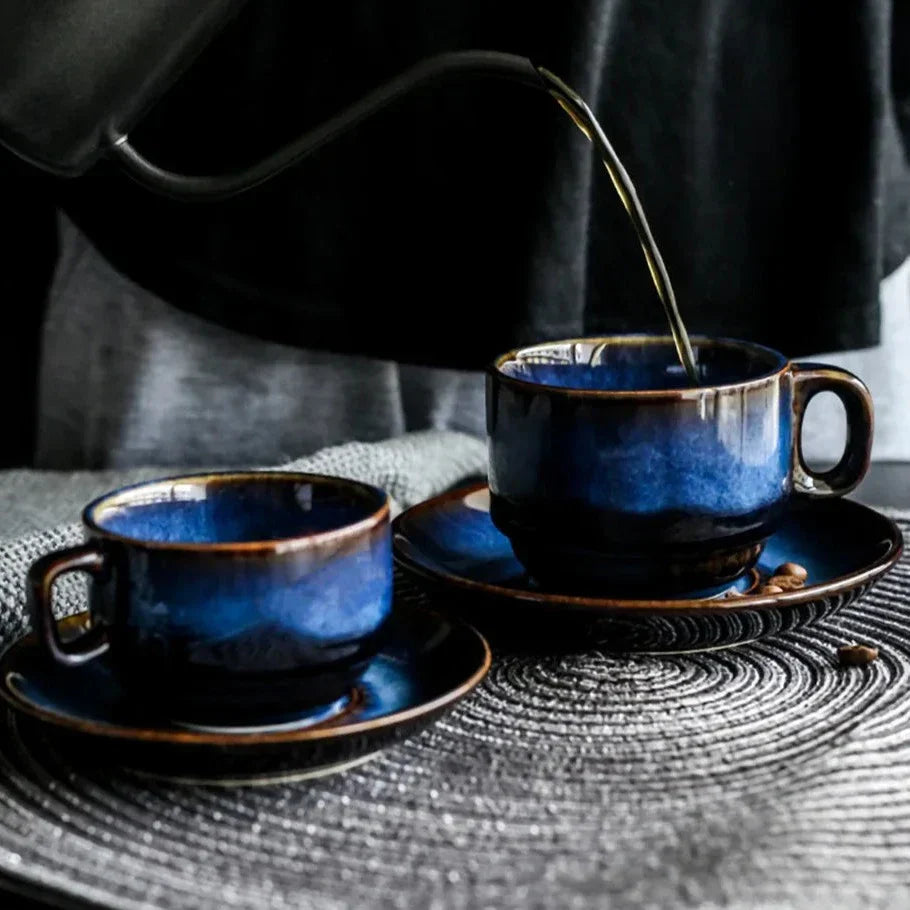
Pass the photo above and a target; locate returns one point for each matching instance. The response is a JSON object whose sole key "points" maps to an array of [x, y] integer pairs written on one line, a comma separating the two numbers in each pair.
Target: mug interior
{"points": [[637, 363], [234, 508]]}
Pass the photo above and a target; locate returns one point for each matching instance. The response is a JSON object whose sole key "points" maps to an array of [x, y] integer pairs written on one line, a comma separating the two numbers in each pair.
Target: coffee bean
{"points": [[770, 589], [794, 569], [856, 655], [786, 582]]}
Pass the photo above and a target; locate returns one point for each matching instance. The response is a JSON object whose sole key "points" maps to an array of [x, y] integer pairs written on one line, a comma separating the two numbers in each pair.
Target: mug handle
{"points": [[39, 592], [808, 380]]}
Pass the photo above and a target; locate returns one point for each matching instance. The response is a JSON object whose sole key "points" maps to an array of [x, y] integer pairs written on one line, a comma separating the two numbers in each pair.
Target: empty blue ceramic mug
{"points": [[230, 596], [609, 471]]}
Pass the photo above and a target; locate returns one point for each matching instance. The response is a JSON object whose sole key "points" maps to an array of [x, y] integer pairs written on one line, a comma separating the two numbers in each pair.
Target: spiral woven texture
{"points": [[763, 776]]}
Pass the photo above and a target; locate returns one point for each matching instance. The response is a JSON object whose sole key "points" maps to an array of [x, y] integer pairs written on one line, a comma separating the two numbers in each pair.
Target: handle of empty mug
{"points": [[808, 380], [39, 590]]}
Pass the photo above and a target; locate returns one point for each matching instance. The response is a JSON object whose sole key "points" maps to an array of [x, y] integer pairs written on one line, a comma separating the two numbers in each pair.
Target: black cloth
{"points": [[766, 137]]}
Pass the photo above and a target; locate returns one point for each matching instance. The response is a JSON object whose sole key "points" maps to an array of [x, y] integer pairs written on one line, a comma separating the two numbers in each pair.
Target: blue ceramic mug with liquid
{"points": [[609, 471], [229, 597]]}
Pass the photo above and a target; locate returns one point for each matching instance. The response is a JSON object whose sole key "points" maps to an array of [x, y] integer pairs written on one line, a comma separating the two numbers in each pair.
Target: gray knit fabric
{"points": [[410, 468], [760, 777]]}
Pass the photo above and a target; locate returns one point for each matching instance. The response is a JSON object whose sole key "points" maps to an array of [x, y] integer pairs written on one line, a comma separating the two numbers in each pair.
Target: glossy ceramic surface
{"points": [[427, 664], [607, 469], [452, 545], [227, 594]]}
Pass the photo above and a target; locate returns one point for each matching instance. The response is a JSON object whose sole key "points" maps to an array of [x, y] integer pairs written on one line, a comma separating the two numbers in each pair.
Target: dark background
{"points": [[28, 219], [764, 144]]}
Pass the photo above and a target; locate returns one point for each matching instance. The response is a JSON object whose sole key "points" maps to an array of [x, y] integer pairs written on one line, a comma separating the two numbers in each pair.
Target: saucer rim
{"points": [[807, 594], [315, 733]]}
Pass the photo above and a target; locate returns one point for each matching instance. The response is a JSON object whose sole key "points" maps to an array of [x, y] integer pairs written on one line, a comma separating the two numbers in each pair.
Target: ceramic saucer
{"points": [[452, 546], [427, 664]]}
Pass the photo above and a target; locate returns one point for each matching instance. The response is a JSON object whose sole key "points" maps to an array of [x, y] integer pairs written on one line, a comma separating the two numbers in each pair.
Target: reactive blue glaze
{"points": [[451, 544], [94, 693], [453, 539], [206, 513], [633, 366], [228, 594], [599, 449], [425, 664]]}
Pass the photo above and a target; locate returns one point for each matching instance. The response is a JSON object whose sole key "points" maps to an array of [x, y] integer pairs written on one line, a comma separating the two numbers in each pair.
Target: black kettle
{"points": [[77, 75]]}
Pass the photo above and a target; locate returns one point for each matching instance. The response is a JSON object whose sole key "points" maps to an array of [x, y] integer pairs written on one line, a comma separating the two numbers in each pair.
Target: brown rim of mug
{"points": [[495, 368], [744, 601], [278, 545], [329, 729]]}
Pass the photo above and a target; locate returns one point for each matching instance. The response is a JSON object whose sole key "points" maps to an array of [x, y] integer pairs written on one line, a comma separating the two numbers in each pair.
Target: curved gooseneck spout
{"points": [[454, 65], [457, 64]]}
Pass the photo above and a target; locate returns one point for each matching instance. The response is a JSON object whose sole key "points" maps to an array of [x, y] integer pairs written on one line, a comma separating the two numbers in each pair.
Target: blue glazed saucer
{"points": [[427, 664], [452, 547]]}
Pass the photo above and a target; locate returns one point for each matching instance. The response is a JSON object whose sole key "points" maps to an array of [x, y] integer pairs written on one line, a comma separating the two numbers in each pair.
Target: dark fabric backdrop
{"points": [[764, 137], [29, 250]]}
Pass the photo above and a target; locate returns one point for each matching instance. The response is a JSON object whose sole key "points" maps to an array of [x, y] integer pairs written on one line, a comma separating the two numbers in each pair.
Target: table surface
{"points": [[887, 484]]}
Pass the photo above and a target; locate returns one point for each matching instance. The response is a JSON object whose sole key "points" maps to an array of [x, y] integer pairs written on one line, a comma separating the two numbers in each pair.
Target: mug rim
{"points": [[277, 545], [495, 368]]}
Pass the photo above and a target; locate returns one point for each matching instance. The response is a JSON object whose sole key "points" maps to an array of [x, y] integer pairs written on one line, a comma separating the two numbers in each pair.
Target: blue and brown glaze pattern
{"points": [[453, 548], [225, 595], [425, 665], [606, 468]]}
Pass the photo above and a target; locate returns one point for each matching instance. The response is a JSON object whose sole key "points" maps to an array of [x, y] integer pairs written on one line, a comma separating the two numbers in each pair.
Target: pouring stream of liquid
{"points": [[575, 106]]}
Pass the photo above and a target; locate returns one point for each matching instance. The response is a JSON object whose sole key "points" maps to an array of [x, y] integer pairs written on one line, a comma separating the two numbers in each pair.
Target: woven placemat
{"points": [[759, 777]]}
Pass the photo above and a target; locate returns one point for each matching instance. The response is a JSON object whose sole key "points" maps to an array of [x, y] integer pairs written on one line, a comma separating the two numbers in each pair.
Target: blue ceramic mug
{"points": [[229, 596], [609, 471]]}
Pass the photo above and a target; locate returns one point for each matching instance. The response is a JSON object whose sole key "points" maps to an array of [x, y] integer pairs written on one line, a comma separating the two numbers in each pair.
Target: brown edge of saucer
{"points": [[705, 605], [328, 730]]}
